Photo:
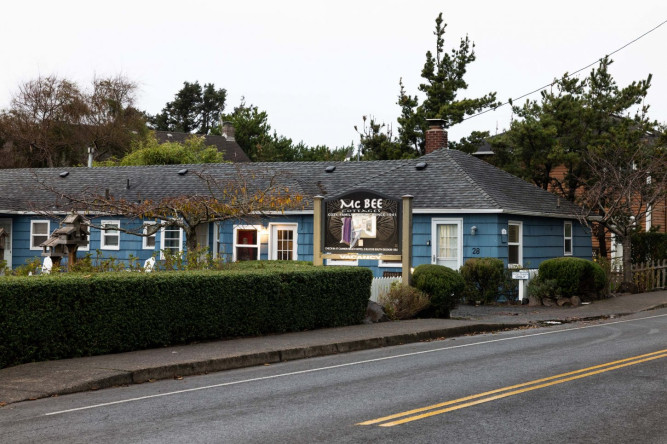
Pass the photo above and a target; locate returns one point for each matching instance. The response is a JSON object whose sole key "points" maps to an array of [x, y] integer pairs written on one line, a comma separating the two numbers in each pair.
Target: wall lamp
{"points": [[473, 230]]}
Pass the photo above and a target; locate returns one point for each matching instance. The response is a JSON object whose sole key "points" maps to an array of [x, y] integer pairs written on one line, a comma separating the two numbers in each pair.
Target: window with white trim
{"points": [[110, 237], [283, 242], [39, 232], [171, 240], [246, 243], [567, 238], [148, 240], [514, 244]]}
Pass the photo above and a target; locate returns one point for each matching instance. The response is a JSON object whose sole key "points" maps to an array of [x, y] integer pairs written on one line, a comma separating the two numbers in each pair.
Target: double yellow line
{"points": [[456, 404]]}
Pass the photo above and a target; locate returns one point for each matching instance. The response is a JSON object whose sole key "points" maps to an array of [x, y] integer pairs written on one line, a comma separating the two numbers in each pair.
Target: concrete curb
{"points": [[255, 359]]}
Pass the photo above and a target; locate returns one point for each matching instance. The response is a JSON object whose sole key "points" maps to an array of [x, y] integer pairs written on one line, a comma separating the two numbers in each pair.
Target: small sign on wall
{"points": [[521, 275]]}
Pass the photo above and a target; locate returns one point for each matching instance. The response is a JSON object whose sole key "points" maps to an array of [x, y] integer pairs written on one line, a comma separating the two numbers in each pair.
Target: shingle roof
{"points": [[230, 148], [452, 180]]}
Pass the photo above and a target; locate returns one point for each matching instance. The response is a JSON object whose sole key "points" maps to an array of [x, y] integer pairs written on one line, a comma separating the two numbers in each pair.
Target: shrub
{"points": [[66, 315], [443, 285], [483, 278], [403, 301], [574, 276], [543, 288]]}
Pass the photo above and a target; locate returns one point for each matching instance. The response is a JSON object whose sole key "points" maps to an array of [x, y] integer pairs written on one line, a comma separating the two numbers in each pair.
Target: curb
{"points": [[273, 357]]}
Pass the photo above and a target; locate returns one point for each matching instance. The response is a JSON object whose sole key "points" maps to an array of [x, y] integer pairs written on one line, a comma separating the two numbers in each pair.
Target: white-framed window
{"points": [[447, 242], [171, 240], [148, 241], [110, 237], [39, 232], [514, 243], [567, 238], [246, 242], [283, 242]]}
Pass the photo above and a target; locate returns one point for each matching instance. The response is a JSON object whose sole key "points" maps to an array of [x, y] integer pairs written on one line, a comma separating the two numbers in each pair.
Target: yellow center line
{"points": [[601, 368]]}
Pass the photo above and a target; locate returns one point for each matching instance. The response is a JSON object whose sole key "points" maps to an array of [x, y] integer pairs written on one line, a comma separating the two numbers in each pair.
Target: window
{"points": [[246, 243], [515, 250], [110, 237], [283, 242], [172, 240], [39, 232], [567, 236], [447, 242], [148, 241]]}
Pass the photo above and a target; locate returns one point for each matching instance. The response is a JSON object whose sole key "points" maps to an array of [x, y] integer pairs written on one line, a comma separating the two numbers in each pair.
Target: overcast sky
{"points": [[318, 67]]}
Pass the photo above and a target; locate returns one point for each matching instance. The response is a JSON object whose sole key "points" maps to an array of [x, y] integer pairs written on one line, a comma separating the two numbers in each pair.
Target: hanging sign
{"points": [[361, 221]]}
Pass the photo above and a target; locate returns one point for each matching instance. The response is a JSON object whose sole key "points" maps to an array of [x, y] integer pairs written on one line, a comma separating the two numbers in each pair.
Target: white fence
{"points": [[381, 285]]}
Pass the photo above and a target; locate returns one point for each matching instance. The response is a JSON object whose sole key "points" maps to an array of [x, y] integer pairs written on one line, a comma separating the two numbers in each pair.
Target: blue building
{"points": [[462, 208]]}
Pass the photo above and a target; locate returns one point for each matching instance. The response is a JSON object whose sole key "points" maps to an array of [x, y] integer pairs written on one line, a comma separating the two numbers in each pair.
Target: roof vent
{"points": [[64, 174], [183, 172], [170, 135], [420, 166], [330, 169]]}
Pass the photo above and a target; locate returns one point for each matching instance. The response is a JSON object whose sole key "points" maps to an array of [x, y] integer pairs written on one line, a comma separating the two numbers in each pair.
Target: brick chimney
{"points": [[436, 135], [228, 131]]}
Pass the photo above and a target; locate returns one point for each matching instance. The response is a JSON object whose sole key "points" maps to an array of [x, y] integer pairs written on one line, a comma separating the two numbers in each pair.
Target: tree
{"points": [[148, 151], [193, 110], [572, 118], [444, 78], [52, 121], [627, 178], [377, 144], [221, 196]]}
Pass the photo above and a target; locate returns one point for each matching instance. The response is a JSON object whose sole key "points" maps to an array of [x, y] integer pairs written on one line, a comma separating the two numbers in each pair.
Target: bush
{"points": [[484, 277], [574, 276], [443, 285], [649, 246], [69, 314], [403, 301], [543, 288]]}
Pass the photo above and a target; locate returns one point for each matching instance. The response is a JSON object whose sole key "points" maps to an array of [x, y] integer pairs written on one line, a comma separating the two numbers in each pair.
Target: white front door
{"points": [[7, 252], [283, 242], [447, 242]]}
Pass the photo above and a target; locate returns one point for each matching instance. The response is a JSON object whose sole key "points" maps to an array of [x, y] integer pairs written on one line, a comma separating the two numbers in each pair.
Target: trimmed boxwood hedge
{"points": [[574, 276], [54, 317]]}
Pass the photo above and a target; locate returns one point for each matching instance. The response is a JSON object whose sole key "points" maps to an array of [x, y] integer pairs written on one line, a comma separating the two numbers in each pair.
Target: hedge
{"points": [[443, 285], [55, 317], [574, 276]]}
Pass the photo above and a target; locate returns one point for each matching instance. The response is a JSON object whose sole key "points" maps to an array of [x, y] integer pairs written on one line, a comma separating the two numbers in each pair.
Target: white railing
{"points": [[382, 285]]}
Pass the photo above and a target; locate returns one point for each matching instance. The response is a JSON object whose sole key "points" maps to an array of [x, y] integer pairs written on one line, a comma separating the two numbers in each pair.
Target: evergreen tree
{"points": [[193, 110]]}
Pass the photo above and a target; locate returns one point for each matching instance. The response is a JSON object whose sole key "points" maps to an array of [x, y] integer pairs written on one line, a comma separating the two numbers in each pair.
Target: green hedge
{"points": [[574, 276], [54, 317], [484, 279], [649, 246], [443, 285]]}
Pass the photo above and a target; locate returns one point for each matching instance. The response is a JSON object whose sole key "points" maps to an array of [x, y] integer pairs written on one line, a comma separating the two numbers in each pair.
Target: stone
{"points": [[563, 301], [575, 301], [534, 301], [375, 313], [548, 302]]}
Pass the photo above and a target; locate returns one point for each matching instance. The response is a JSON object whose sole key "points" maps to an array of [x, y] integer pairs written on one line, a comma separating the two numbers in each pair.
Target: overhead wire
{"points": [[566, 75]]}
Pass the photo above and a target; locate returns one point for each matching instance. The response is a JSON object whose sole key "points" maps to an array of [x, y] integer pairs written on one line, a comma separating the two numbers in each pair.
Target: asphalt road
{"points": [[575, 383]]}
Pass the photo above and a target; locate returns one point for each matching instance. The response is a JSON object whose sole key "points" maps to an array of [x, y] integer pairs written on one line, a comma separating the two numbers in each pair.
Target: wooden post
{"points": [[317, 231], [406, 240]]}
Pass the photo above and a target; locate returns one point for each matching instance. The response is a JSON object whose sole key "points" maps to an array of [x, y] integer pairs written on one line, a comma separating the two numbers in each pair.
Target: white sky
{"points": [[318, 67]]}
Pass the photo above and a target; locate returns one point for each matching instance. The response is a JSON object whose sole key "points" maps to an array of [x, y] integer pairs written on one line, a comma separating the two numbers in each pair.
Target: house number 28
{"points": [[475, 251]]}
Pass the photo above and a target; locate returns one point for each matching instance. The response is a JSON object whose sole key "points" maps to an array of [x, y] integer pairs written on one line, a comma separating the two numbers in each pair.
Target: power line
{"points": [[567, 75]]}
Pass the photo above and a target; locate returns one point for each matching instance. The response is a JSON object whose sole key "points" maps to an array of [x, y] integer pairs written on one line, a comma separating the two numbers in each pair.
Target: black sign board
{"points": [[361, 222]]}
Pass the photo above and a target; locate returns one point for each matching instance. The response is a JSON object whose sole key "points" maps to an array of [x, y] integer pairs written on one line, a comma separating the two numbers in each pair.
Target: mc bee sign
{"points": [[361, 222]]}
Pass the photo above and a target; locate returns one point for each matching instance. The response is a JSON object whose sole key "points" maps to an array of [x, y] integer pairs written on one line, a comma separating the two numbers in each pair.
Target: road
{"points": [[577, 383]]}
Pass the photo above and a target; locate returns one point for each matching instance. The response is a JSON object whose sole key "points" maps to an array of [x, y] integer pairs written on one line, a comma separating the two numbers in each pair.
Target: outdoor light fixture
{"points": [[473, 230], [503, 235]]}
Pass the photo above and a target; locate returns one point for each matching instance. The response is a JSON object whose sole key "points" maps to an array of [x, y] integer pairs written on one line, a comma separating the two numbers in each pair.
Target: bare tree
{"points": [[627, 181], [221, 197]]}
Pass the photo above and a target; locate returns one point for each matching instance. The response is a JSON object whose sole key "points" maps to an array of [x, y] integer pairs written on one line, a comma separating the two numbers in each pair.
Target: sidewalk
{"points": [[49, 378]]}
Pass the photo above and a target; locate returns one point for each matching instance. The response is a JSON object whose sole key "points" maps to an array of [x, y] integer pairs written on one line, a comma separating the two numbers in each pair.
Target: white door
{"points": [[447, 242], [7, 253], [283, 242]]}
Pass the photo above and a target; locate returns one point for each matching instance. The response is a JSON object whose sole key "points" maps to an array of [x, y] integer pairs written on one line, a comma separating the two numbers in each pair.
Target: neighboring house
{"points": [[226, 143], [462, 208]]}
